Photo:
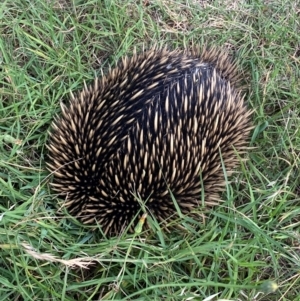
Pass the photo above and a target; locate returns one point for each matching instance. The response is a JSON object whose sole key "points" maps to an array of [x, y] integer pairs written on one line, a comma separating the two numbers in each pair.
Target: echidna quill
{"points": [[160, 121]]}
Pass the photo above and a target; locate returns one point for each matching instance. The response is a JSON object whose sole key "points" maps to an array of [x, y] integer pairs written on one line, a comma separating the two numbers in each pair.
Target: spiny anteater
{"points": [[159, 122]]}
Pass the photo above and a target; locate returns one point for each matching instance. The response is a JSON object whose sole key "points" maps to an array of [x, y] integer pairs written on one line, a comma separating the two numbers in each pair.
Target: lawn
{"points": [[248, 248]]}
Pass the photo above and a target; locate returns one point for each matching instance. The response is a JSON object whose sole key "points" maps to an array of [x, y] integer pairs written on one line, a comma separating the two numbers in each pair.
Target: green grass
{"points": [[49, 48]]}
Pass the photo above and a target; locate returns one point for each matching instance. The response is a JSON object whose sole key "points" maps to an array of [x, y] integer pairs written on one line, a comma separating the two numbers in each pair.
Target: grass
{"points": [[244, 248]]}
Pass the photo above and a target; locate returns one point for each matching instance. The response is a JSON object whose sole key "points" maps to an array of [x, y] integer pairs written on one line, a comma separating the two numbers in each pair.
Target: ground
{"points": [[245, 249]]}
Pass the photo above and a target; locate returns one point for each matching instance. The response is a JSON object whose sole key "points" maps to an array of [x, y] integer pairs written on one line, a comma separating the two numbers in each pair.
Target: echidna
{"points": [[160, 121]]}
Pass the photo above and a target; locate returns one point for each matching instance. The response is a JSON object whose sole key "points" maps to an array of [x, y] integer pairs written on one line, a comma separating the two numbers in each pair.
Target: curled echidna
{"points": [[160, 121]]}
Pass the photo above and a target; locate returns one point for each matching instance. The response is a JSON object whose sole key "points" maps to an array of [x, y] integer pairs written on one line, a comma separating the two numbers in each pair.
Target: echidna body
{"points": [[160, 121]]}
